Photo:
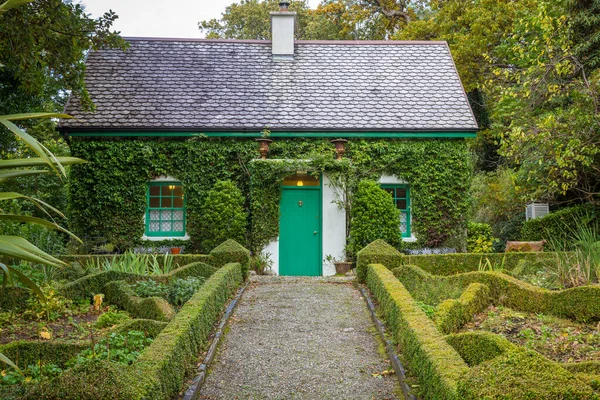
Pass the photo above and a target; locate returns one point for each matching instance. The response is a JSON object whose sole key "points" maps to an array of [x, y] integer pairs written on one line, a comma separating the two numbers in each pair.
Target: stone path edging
{"points": [[193, 391], [396, 364]]}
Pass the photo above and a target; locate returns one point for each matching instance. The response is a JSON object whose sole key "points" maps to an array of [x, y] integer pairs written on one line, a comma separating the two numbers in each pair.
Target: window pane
{"points": [[178, 215], [166, 190], [178, 202], [178, 191], [390, 191], [178, 226], [166, 215], [403, 222], [401, 192], [165, 226], [154, 202], [154, 190], [166, 202], [155, 215], [154, 226], [401, 204]]}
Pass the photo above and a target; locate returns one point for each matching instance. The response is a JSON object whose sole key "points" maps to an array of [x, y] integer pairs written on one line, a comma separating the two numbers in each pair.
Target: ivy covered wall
{"points": [[107, 195]]}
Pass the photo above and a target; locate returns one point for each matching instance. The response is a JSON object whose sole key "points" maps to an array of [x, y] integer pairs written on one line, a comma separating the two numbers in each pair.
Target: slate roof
{"points": [[213, 85]]}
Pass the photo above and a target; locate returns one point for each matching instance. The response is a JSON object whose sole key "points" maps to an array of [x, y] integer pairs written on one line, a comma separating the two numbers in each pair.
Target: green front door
{"points": [[300, 232]]}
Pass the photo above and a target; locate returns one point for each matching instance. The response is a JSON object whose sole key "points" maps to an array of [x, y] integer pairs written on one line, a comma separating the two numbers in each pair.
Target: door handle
{"points": [[315, 232]]}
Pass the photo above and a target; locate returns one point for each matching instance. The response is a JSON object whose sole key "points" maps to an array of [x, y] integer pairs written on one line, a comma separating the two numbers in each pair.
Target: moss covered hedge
{"points": [[452, 314], [436, 364], [579, 303], [121, 294], [521, 374], [377, 252], [477, 347], [28, 352], [230, 251]]}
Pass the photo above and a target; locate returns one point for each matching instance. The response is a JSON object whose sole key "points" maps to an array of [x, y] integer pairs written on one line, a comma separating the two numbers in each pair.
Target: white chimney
{"points": [[282, 33]]}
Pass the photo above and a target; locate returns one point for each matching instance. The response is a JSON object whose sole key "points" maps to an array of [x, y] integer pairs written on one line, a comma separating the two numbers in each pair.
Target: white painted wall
{"points": [[272, 251], [334, 227]]}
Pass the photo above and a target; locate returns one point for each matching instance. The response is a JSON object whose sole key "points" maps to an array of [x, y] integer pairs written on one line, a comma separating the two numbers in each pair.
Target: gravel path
{"points": [[300, 339]]}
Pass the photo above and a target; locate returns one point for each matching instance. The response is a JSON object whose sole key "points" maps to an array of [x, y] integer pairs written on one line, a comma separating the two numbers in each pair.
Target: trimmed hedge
{"points": [[521, 374], [98, 379], [587, 367], [163, 364], [456, 263], [228, 252], [150, 327], [27, 352], [452, 314], [559, 225], [377, 252], [93, 284], [121, 294], [579, 303], [437, 365], [477, 347], [12, 298]]}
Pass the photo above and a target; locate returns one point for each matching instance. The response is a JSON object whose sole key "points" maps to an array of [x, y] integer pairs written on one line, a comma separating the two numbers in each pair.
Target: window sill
{"points": [[159, 238], [410, 239]]}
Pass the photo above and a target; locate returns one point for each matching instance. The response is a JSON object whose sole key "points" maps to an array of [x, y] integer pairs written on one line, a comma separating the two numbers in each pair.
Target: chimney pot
{"points": [[282, 33]]}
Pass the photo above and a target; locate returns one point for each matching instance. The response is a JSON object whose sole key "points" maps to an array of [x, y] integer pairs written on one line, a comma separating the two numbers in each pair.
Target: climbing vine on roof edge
{"points": [[107, 196]]}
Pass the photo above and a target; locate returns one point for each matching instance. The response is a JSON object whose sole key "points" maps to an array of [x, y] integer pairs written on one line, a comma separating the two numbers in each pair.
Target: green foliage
{"points": [[108, 195], [377, 252], [163, 365], [452, 314], [111, 318], [181, 290], [477, 347], [31, 375], [45, 352], [122, 295], [560, 226], [117, 347], [522, 374], [230, 252], [222, 215], [576, 303], [437, 365], [479, 238], [43, 50], [151, 328], [150, 288], [139, 264], [373, 216]]}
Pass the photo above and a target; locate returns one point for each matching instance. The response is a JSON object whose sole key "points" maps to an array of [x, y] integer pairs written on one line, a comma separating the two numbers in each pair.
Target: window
{"points": [[165, 210], [401, 196]]}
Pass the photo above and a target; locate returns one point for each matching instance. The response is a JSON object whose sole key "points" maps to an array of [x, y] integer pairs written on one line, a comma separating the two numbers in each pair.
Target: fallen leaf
{"points": [[45, 335]]}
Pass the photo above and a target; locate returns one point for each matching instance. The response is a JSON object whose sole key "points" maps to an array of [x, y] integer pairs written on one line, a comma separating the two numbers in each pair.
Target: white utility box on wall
{"points": [[536, 210]]}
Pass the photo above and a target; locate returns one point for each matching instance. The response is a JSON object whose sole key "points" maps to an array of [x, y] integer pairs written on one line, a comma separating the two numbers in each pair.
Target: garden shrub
{"points": [[452, 314], [377, 252], [163, 364], [26, 352], [150, 288], [98, 379], [559, 226], [118, 347], [230, 251], [436, 364], [222, 216], [12, 298], [181, 290], [373, 216], [521, 374], [121, 294], [477, 347], [111, 318], [150, 327], [579, 303], [479, 238], [588, 367]]}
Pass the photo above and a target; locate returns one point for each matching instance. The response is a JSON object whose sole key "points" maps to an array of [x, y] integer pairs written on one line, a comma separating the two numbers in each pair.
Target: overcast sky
{"points": [[160, 18]]}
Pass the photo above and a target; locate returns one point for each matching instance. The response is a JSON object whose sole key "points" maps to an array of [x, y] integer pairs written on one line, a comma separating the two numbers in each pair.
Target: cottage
{"points": [[173, 116]]}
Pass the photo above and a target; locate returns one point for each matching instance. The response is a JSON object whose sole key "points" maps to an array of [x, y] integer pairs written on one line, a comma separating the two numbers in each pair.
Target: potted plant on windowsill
{"points": [[341, 267]]}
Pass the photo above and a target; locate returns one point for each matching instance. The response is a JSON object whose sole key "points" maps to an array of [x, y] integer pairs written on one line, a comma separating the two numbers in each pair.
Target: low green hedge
{"points": [[121, 294], [12, 298], [377, 252], [230, 251], [477, 347], [437, 365], [92, 284], [588, 367], [520, 374], [150, 327], [163, 364], [27, 352], [559, 225], [456, 263], [452, 314], [579, 303]]}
